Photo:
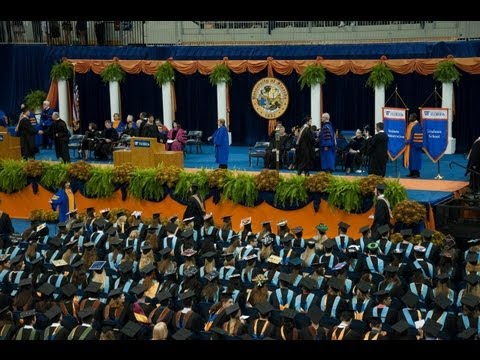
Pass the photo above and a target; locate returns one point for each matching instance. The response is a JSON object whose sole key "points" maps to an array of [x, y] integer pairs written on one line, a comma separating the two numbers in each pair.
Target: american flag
{"points": [[75, 102]]}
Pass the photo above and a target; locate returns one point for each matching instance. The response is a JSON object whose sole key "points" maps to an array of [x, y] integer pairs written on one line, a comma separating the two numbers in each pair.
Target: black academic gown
{"points": [[376, 150], [61, 137], [305, 151], [27, 334], [195, 208], [381, 217], [27, 133], [83, 332], [474, 164], [256, 327], [55, 333]]}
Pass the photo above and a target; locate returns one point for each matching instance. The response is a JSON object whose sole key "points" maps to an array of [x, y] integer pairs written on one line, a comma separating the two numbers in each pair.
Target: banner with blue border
{"points": [[435, 131], [394, 122]]}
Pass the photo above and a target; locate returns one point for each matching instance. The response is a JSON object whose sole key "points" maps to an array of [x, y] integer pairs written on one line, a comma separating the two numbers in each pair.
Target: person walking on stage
{"points": [[383, 213], [412, 157], [195, 207], [221, 143], [327, 145], [305, 149], [376, 150], [63, 201], [61, 136]]}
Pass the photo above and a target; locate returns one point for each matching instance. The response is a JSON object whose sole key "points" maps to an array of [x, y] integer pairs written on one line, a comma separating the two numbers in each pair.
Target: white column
{"points": [[222, 106], [167, 104], [63, 101], [379, 103], [315, 104], [447, 102], [114, 100]]}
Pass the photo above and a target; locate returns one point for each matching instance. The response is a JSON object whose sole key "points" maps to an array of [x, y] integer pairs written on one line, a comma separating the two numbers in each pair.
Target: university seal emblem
{"points": [[270, 98]]}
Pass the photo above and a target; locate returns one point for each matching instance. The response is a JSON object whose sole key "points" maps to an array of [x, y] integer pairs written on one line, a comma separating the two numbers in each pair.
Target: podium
{"points": [[147, 153], [9, 146]]}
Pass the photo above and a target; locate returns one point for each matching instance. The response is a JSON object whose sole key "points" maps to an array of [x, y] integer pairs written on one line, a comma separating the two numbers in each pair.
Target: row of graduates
{"points": [[171, 279]]}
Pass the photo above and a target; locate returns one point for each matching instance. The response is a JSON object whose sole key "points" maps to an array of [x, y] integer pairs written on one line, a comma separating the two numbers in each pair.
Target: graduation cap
{"points": [[287, 238], [472, 257], [85, 313], [282, 223], [146, 246], [297, 230], [391, 269], [131, 329], [212, 275], [191, 271], [97, 265], [468, 334], [406, 232], [381, 187], [62, 225], [170, 271], [382, 294], [353, 248], [274, 259], [264, 308], [322, 228], [105, 212], [93, 287], [182, 334], [36, 260], [171, 228], [121, 213], [264, 223], [295, 261], [72, 213], [246, 221], [207, 216], [186, 233], [165, 251], [77, 226], [343, 226], [99, 223], [364, 229], [419, 249], [163, 295], [16, 259], [339, 266], [307, 283], [443, 277], [152, 229], [470, 300], [156, 216], [116, 242], [288, 313], [401, 326], [384, 229], [410, 299], [111, 231], [442, 301], [131, 228], [4, 257], [72, 241], [53, 312], [432, 328], [232, 309], [59, 263], [267, 240], [335, 283], [189, 253], [188, 294], [88, 245], [209, 254], [27, 314], [173, 218], [46, 289], [148, 268], [372, 246], [69, 289], [90, 210], [364, 286], [25, 282], [284, 277], [315, 314], [41, 227], [115, 292], [426, 233], [472, 279], [138, 290], [398, 251], [126, 266]]}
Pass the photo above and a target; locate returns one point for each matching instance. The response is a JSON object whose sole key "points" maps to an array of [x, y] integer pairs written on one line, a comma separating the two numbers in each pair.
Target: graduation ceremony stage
{"points": [[426, 190]]}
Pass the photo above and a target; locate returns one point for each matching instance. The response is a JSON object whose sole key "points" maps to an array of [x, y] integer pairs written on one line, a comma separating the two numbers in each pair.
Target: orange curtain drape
{"points": [[283, 67], [52, 95]]}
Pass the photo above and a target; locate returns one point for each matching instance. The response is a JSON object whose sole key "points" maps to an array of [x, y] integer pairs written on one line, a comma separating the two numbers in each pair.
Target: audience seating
{"points": [[194, 137]]}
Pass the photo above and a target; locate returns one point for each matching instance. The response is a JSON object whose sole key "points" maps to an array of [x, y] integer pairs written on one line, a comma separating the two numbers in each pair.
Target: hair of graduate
{"points": [[346, 316], [380, 126]]}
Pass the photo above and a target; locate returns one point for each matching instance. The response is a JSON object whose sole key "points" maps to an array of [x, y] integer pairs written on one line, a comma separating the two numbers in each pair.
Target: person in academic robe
{"points": [[281, 143], [376, 149], [328, 144], [63, 201], [6, 229], [177, 138], [473, 166], [61, 137], [353, 157], [382, 213], [305, 148], [195, 207], [85, 331], [221, 144], [27, 331], [26, 131], [412, 158]]}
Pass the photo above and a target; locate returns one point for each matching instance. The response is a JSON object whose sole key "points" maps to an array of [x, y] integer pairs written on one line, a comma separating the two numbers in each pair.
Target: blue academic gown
{"points": [[62, 204], [220, 140], [327, 139], [416, 144]]}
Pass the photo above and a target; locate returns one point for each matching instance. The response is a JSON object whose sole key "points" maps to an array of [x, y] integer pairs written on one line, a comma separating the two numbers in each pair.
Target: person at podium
{"points": [[177, 138]]}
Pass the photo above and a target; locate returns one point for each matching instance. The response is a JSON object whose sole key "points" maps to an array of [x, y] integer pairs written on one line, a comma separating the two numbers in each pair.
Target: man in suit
{"points": [[376, 150]]}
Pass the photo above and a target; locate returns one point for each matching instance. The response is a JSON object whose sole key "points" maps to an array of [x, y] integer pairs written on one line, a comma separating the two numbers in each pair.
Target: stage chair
{"points": [[194, 137], [75, 142], [257, 151]]}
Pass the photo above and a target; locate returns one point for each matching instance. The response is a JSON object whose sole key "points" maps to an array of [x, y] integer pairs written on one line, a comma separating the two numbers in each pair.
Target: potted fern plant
{"points": [[165, 73], [380, 78], [446, 72], [113, 72], [221, 73], [62, 71], [35, 99]]}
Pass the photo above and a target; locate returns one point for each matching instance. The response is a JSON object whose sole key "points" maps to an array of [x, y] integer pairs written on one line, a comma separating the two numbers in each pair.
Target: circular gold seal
{"points": [[270, 98]]}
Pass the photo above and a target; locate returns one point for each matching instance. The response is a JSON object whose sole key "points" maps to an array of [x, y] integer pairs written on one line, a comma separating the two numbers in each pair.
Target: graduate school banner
{"points": [[394, 122], [435, 131]]}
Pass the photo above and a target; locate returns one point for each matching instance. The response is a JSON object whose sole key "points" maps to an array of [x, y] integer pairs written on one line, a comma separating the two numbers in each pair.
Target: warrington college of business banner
{"points": [[394, 122], [435, 131]]}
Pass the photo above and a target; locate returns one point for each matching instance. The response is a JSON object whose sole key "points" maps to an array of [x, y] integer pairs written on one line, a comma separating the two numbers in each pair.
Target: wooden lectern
{"points": [[9, 146], [147, 153]]}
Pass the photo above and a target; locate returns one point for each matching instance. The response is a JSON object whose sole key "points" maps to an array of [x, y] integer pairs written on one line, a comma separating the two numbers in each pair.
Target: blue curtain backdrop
{"points": [[27, 67]]}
